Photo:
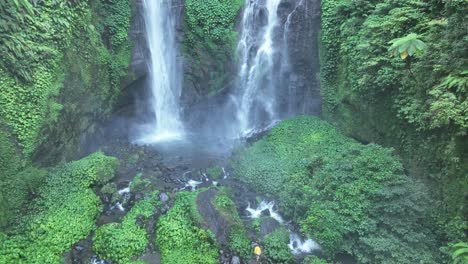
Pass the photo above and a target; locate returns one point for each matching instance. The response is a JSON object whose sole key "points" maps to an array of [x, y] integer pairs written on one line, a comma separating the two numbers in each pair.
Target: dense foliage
{"points": [[349, 197], [56, 55], [209, 41], [276, 247], [395, 73], [180, 239], [122, 241], [56, 219]]}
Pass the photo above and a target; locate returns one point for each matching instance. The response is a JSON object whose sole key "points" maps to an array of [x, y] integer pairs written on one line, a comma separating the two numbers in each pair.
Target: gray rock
{"points": [[268, 226], [163, 197], [235, 260]]}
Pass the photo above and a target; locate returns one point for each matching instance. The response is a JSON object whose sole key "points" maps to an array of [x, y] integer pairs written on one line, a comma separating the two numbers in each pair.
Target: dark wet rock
{"points": [[265, 213], [268, 225], [138, 196], [140, 221], [150, 226], [163, 197], [235, 260], [165, 209], [152, 258], [212, 218], [157, 174]]}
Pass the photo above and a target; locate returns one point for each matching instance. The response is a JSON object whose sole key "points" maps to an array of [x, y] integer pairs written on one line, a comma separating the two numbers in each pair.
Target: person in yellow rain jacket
{"points": [[257, 251]]}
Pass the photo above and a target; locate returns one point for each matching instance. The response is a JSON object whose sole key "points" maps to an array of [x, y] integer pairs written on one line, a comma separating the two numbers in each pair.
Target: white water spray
{"points": [[301, 246], [164, 71], [256, 75], [257, 212]]}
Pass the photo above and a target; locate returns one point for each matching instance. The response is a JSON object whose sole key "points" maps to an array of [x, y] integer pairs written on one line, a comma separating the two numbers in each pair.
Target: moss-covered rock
{"points": [[57, 219], [179, 236], [122, 241], [209, 44]]}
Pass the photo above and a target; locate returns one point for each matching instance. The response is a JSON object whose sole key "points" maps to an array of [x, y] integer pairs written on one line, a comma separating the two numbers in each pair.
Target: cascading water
{"points": [[164, 71], [256, 76], [272, 84]]}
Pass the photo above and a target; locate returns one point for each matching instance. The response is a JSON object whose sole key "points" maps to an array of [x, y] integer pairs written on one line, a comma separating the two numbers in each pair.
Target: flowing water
{"points": [[165, 73], [264, 92], [257, 80]]}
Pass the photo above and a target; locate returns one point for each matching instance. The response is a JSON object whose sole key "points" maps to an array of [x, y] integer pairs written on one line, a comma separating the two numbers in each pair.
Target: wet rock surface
{"points": [[211, 217]]}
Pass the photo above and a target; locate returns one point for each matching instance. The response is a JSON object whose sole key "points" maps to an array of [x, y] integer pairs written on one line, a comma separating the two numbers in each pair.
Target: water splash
{"points": [[124, 190], [300, 246], [193, 184], [264, 205], [164, 71]]}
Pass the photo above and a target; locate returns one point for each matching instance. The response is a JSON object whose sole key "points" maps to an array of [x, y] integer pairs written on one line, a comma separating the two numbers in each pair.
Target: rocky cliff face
{"points": [[301, 20]]}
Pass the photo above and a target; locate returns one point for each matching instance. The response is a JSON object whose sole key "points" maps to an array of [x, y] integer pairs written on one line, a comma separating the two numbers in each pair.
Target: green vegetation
{"points": [[215, 172], [122, 241], [314, 260], [460, 253], [180, 239], [209, 40], [276, 247], [395, 73], [141, 185], [57, 219], [349, 197], [238, 240], [54, 59]]}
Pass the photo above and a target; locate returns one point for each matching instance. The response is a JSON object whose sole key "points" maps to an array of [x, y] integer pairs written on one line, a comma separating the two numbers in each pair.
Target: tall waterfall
{"points": [[257, 82], [165, 73], [271, 86]]}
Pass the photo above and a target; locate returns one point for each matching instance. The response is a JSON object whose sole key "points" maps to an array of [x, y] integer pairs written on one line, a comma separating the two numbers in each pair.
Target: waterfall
{"points": [[164, 73], [268, 88], [256, 75]]}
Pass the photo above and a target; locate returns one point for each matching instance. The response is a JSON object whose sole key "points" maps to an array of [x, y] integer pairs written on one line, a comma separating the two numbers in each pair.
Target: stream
{"points": [[180, 165]]}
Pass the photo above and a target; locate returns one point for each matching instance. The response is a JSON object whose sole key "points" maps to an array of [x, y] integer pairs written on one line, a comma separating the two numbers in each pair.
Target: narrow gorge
{"points": [[233, 131]]}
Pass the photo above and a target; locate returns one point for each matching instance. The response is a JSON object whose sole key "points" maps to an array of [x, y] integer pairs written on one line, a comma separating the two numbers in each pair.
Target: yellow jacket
{"points": [[257, 250]]}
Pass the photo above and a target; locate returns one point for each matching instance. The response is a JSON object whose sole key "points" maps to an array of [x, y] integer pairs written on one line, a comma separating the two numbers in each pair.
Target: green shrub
{"points": [[122, 241], [141, 185], [215, 172], [275, 247], [314, 260], [57, 219], [180, 239], [347, 196]]}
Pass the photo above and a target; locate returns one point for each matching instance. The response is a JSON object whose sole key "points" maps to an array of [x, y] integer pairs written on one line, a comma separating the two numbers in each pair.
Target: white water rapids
{"points": [[297, 245]]}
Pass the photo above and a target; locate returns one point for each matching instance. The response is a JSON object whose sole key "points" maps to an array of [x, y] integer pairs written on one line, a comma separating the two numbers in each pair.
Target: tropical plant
{"points": [[407, 46], [460, 253]]}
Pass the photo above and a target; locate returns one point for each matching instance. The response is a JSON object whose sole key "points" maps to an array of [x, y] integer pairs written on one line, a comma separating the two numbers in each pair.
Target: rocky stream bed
{"points": [[184, 166]]}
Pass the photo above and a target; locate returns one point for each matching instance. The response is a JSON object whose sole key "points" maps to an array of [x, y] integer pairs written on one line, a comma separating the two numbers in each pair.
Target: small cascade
{"points": [[263, 206], [164, 74], [301, 246], [297, 245]]}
